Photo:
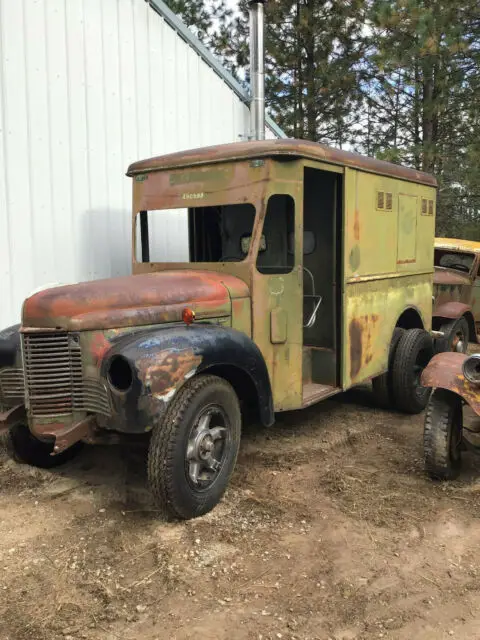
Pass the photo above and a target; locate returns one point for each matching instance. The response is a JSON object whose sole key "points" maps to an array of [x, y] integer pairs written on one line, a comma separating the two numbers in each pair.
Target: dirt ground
{"points": [[330, 530]]}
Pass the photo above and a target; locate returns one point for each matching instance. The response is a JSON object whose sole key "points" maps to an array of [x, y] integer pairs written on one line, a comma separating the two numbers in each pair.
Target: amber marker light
{"points": [[188, 315]]}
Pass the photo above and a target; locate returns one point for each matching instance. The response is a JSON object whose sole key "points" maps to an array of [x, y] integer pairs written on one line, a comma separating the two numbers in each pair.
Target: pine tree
{"points": [[397, 79], [207, 19], [422, 65], [314, 52]]}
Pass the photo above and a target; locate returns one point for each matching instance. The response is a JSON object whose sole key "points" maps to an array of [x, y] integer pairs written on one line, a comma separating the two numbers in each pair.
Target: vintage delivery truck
{"points": [[308, 270]]}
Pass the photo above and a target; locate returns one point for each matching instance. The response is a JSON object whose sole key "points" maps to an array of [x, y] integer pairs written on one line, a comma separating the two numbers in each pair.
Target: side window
{"points": [[162, 236], [276, 254]]}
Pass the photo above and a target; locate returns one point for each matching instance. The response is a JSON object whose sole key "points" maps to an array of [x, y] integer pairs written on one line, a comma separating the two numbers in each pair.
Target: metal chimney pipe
{"points": [[257, 69]]}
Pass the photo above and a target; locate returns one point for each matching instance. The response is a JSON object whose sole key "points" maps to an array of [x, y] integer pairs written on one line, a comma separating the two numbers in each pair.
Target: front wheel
{"points": [[455, 338], [194, 448], [442, 435], [23, 447]]}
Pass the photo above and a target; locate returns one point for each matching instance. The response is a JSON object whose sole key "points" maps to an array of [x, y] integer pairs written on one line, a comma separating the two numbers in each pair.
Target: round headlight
{"points": [[471, 368]]}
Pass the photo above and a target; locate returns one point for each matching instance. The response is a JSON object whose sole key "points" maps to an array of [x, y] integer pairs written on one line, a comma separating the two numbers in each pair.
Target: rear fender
{"points": [[162, 361], [444, 371]]}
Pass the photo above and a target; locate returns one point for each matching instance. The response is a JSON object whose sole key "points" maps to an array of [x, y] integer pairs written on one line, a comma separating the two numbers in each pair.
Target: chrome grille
{"points": [[12, 387], [54, 377]]}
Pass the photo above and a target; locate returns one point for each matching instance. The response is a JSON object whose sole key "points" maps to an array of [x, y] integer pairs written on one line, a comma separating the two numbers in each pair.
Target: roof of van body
{"points": [[283, 148]]}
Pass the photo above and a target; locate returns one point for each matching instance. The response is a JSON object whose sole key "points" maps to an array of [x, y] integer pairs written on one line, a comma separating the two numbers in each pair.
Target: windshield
{"points": [[198, 234], [454, 260], [221, 233]]}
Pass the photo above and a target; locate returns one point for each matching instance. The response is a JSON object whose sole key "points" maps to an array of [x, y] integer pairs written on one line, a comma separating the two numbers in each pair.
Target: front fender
{"points": [[451, 310], [11, 371], [162, 360], [10, 349], [444, 371]]}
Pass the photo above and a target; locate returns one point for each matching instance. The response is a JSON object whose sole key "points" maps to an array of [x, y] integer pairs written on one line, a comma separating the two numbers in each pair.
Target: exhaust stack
{"points": [[257, 69]]}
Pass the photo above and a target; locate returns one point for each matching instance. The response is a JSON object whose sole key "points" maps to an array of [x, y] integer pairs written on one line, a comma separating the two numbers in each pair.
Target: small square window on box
{"points": [[380, 200]]}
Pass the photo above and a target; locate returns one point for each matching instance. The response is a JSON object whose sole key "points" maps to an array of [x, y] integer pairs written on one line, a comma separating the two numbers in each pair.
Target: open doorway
{"points": [[322, 200]]}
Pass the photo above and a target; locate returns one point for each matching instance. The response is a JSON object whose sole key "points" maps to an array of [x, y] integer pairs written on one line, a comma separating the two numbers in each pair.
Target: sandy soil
{"points": [[330, 530]]}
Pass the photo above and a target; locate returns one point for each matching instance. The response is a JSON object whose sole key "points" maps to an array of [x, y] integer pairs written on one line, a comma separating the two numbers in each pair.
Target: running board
{"points": [[313, 393]]}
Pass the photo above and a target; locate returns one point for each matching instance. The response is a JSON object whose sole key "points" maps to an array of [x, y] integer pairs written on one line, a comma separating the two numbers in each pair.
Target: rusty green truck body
{"points": [[302, 261], [372, 260], [456, 288]]}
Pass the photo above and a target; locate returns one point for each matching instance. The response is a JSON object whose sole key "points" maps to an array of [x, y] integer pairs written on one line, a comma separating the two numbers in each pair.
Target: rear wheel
{"points": [[194, 448], [23, 447], [414, 352], [456, 334], [382, 385], [442, 435]]}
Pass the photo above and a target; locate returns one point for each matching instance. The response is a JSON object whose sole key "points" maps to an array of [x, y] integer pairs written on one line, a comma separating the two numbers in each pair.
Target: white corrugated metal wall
{"points": [[86, 87]]}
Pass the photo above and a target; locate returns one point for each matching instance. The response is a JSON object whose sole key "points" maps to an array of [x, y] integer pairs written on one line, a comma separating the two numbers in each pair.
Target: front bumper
{"points": [[65, 435]]}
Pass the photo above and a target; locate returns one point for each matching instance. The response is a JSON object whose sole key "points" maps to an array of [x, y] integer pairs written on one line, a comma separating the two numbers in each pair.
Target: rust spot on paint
{"points": [[163, 372], [356, 226], [355, 330], [99, 345], [361, 352]]}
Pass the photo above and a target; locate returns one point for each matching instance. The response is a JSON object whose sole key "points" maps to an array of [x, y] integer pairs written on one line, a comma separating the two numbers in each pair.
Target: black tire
{"points": [[382, 385], [23, 447], [170, 469], [414, 352], [442, 435], [456, 336]]}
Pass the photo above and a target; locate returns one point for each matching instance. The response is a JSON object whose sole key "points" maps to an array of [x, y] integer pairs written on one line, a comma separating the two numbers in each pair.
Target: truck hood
{"points": [[131, 301], [449, 277]]}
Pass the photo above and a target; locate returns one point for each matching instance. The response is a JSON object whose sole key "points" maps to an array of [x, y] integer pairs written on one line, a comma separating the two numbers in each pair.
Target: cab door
{"points": [[277, 298]]}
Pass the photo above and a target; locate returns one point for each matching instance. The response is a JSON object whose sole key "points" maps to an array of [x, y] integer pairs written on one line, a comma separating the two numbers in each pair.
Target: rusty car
{"points": [[455, 379], [307, 270], [456, 310]]}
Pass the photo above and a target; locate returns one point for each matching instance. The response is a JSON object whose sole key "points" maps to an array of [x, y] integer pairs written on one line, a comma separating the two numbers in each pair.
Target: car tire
{"points": [[382, 385], [456, 336], [413, 353], [194, 447], [24, 448], [442, 435]]}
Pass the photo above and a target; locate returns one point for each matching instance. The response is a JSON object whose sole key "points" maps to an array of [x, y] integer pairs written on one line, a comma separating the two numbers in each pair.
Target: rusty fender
{"points": [[444, 371], [162, 360], [11, 378], [451, 310], [10, 350], [11, 417]]}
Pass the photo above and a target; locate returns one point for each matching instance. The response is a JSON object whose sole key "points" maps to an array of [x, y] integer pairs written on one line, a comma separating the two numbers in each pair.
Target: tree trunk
{"points": [[310, 72]]}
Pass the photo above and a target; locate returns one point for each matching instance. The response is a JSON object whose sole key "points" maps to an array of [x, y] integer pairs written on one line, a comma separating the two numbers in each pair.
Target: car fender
{"points": [[451, 310], [444, 371], [10, 348], [162, 360]]}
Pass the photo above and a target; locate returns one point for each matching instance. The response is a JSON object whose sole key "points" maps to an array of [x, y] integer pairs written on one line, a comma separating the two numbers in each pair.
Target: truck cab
{"points": [[456, 283], [298, 271]]}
